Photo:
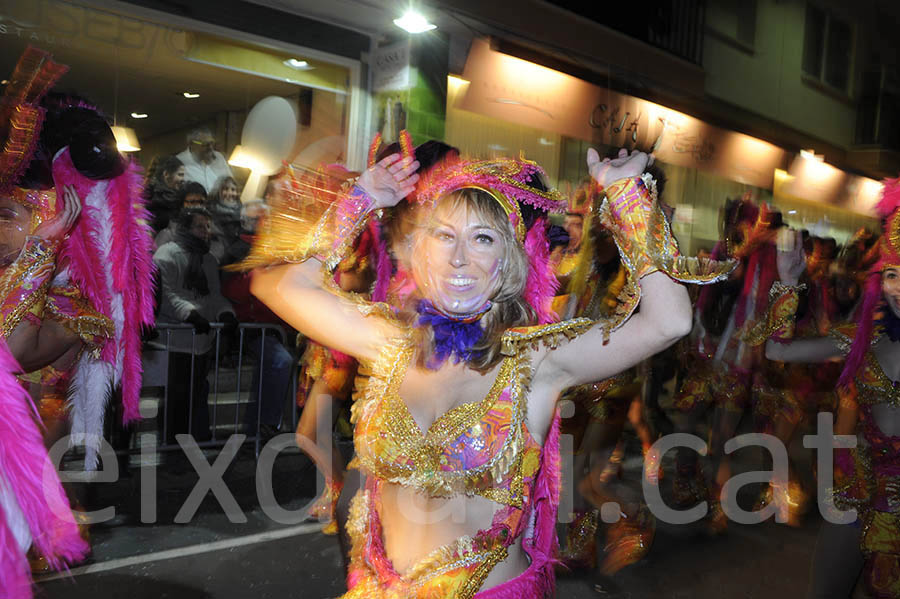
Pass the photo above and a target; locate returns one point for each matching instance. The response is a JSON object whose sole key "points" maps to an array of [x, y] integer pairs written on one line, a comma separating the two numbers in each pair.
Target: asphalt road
{"points": [[213, 557]]}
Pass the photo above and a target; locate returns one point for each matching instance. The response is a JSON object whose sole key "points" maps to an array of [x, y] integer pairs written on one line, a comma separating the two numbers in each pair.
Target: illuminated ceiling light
{"points": [[792, 212], [295, 63], [139, 115], [811, 155], [190, 95], [4, 82], [126, 139], [241, 158], [413, 22]]}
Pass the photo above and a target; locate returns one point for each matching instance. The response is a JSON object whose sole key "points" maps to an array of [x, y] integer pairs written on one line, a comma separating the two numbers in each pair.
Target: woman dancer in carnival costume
{"points": [[867, 477], [58, 147], [461, 495], [787, 394]]}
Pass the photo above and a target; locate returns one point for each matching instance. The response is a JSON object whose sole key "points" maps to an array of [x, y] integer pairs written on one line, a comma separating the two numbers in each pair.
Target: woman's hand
{"points": [[55, 228], [390, 180], [607, 171], [791, 259]]}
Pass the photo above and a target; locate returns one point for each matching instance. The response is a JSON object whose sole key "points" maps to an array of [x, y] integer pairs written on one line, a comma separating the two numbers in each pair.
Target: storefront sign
{"points": [[511, 89], [391, 68]]}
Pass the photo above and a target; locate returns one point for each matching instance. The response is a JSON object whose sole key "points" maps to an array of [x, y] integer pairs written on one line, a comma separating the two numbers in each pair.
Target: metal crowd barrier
{"points": [[156, 374]]}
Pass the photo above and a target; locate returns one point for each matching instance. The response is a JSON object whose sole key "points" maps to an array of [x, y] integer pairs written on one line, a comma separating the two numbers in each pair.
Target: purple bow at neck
{"points": [[453, 335]]}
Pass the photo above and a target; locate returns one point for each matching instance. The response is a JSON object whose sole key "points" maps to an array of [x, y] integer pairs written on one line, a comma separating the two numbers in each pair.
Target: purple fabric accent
{"points": [[452, 336]]}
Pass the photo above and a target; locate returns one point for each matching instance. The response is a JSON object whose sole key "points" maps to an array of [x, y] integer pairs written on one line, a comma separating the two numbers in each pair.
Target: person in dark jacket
{"points": [[162, 191]]}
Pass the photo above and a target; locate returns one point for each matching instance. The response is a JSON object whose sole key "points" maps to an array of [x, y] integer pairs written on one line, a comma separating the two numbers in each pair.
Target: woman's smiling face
{"points": [[458, 260]]}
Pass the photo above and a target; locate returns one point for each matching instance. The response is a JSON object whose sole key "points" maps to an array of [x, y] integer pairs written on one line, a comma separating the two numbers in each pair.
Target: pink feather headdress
{"points": [[889, 248]]}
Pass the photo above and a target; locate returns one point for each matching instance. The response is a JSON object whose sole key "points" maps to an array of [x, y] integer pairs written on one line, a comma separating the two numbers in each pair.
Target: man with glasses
{"points": [[202, 163]]}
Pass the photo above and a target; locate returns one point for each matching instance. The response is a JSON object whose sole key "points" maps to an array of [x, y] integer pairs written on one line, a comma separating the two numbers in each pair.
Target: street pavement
{"points": [[213, 557]]}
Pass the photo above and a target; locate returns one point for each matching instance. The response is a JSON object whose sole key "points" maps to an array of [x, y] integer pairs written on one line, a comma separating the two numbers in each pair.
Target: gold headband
{"points": [[510, 207]]}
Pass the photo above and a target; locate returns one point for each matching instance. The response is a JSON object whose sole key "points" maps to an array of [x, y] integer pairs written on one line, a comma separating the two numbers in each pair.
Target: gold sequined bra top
{"points": [[480, 448]]}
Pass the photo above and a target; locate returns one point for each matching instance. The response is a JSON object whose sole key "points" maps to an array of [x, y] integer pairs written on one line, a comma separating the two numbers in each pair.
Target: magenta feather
{"points": [[131, 255], [129, 264], [383, 266], [865, 326], [541, 284], [890, 198], [32, 478], [86, 266]]}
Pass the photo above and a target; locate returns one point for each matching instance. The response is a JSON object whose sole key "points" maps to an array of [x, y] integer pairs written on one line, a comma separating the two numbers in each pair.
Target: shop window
{"points": [[163, 82], [827, 48], [733, 20]]}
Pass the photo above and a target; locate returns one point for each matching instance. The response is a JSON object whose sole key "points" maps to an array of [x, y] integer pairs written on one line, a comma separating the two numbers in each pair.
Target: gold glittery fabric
{"points": [[780, 317], [873, 385], [67, 305], [319, 217], [24, 283], [644, 237], [480, 448]]}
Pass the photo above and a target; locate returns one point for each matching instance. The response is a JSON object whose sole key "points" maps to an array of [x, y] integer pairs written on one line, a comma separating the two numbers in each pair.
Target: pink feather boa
{"points": [[33, 481], [541, 284], [130, 261]]}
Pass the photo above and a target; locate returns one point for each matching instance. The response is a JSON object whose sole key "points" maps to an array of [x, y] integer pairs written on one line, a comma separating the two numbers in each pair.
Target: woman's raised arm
{"points": [[665, 309], [298, 293], [813, 349]]}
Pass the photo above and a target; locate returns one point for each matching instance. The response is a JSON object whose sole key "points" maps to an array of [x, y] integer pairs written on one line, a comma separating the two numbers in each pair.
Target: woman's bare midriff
{"points": [[414, 525]]}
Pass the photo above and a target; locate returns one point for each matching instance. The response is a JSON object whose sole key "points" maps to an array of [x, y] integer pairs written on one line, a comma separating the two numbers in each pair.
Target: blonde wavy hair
{"points": [[508, 306]]}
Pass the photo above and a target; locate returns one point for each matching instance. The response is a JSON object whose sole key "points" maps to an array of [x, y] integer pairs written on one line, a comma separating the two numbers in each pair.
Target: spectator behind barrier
{"points": [[190, 293], [191, 195], [163, 183], [277, 361], [225, 207]]}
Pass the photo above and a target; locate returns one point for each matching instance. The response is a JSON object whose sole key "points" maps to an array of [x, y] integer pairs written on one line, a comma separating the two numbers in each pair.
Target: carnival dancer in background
{"points": [[720, 366], [789, 395], [86, 335], [576, 225], [34, 510], [595, 284], [867, 477], [478, 255]]}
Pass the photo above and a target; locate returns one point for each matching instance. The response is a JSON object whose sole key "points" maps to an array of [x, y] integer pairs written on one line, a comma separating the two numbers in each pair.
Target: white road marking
{"points": [[114, 564]]}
